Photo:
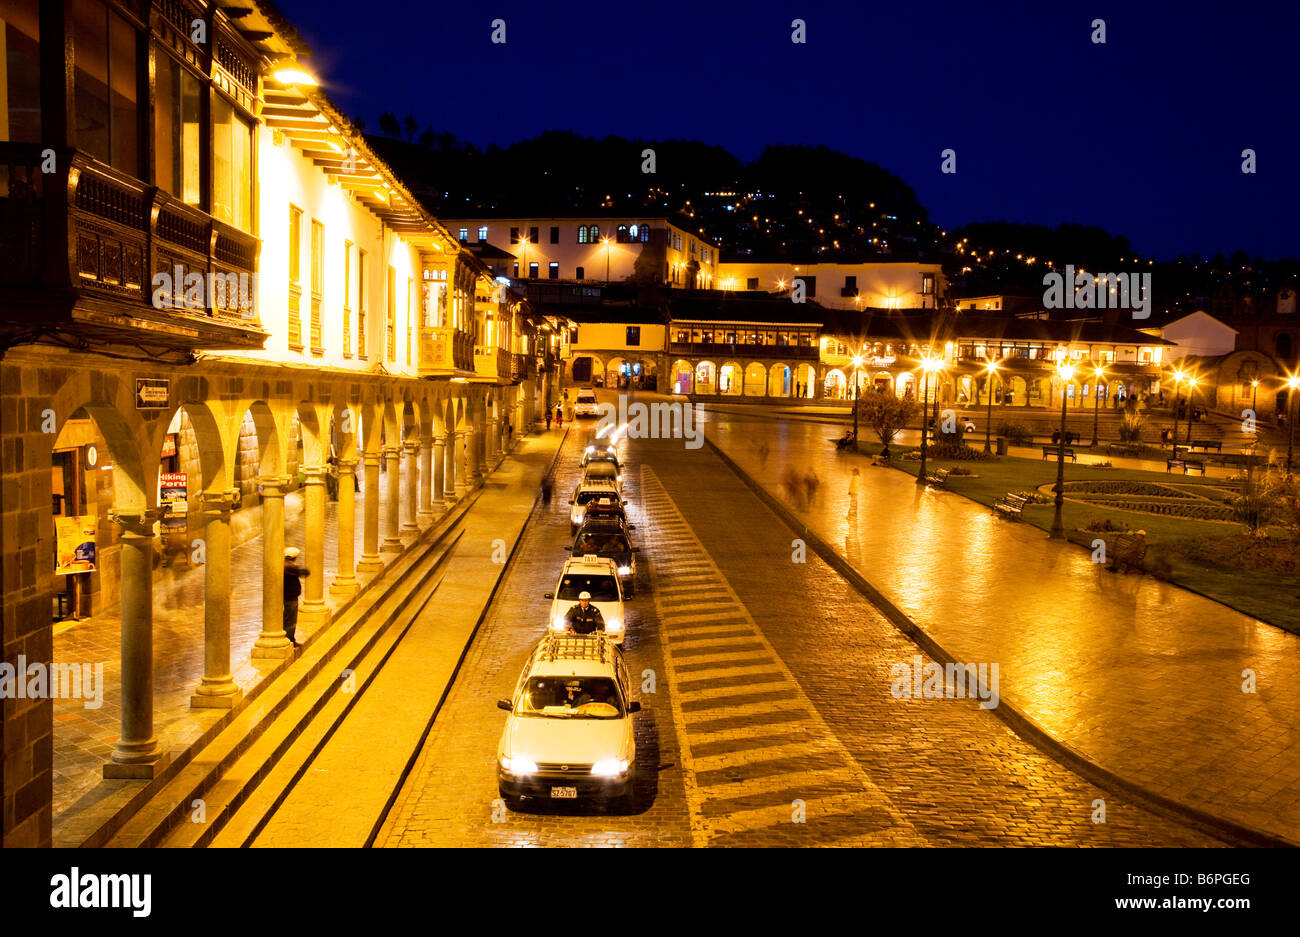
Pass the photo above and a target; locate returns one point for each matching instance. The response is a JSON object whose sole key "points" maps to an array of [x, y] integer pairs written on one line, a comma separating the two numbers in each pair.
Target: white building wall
{"points": [[880, 285]]}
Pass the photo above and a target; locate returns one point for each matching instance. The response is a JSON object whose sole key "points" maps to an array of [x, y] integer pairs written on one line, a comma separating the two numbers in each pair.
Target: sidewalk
{"points": [[1137, 676]]}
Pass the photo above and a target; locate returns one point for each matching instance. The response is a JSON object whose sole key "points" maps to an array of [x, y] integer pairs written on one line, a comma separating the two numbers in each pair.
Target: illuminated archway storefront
{"points": [[755, 380], [834, 386], [706, 378], [805, 381], [730, 379], [682, 377], [780, 381]]}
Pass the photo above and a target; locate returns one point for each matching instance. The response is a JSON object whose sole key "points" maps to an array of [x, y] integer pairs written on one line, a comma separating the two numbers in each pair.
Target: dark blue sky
{"points": [[1142, 135]]}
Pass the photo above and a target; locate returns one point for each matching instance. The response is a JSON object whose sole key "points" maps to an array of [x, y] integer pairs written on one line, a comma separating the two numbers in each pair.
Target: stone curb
{"points": [[1017, 721]]}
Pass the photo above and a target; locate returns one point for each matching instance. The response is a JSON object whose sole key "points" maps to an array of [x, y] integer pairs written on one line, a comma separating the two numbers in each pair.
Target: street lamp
{"points": [[857, 363], [1254, 401], [1097, 373], [605, 241], [1179, 377], [1066, 372], [1191, 386], [928, 364], [1292, 383], [991, 368]]}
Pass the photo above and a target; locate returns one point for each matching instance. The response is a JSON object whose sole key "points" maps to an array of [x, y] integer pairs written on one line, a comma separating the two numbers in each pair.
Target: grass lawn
{"points": [[1265, 594]]}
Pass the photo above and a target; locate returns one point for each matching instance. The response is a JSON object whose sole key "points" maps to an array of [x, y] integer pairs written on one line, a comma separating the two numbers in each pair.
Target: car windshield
{"points": [[585, 497], [587, 397], [570, 698], [600, 542], [603, 588], [601, 470]]}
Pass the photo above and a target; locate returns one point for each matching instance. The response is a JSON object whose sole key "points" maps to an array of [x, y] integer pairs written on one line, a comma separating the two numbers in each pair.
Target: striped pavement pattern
{"points": [[752, 743]]}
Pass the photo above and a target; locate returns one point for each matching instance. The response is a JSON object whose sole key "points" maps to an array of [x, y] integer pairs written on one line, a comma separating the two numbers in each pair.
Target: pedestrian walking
{"points": [[293, 574], [548, 418], [855, 486], [763, 452], [547, 485], [794, 487], [810, 484], [559, 415]]}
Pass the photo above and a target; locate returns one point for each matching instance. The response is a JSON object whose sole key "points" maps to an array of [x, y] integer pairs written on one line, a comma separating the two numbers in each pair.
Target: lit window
{"points": [[482, 233]]}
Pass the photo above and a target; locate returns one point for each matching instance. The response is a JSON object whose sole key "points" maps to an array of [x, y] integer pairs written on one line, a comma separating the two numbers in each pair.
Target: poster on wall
{"points": [[75, 544], [172, 496]]}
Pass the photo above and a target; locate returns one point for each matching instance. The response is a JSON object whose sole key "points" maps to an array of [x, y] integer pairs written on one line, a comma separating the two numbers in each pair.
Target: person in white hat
{"points": [[293, 574], [585, 618]]}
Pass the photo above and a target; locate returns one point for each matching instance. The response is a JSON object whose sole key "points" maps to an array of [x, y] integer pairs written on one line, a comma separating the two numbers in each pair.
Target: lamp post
{"points": [[927, 365], [605, 241], [857, 363], [1178, 380], [1191, 387], [1254, 403], [991, 368], [1292, 383], [1066, 372], [1097, 373]]}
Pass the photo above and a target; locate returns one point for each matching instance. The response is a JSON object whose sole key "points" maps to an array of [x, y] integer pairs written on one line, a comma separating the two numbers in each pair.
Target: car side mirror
{"points": [[548, 595], [632, 707], [632, 527], [636, 549], [566, 548], [504, 704], [570, 500]]}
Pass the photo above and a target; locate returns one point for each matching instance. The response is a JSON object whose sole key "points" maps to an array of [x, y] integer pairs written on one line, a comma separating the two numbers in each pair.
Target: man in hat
{"points": [[585, 618], [293, 574]]}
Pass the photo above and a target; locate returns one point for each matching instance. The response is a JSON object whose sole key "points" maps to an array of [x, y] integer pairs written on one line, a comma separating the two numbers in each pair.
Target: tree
{"points": [[411, 126], [388, 124], [886, 414]]}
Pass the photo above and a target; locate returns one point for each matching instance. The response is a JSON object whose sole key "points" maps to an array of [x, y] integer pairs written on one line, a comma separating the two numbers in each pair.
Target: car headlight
{"points": [[625, 570], [613, 624], [559, 624], [609, 768], [519, 765], [590, 450]]}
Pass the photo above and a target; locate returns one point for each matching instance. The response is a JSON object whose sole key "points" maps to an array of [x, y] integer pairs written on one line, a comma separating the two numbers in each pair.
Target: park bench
{"points": [[1130, 549], [1071, 437], [1208, 444], [1056, 451], [1010, 505], [938, 478], [1186, 465]]}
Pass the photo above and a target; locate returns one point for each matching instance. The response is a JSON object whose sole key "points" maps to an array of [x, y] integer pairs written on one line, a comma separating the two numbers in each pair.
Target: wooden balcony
{"points": [[446, 352], [726, 350], [492, 364], [83, 248]]}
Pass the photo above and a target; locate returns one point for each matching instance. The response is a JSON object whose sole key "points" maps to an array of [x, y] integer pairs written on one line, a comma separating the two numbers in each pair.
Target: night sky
{"points": [[1142, 136]]}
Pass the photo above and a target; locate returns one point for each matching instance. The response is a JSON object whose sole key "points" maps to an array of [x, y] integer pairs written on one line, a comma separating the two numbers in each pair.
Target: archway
{"points": [[682, 377], [905, 385], [780, 381], [706, 378], [805, 381], [755, 380], [883, 381], [731, 379], [834, 386]]}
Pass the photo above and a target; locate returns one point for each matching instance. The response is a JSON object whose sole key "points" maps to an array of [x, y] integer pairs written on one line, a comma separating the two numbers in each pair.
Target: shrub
{"points": [[1015, 432], [960, 470], [1105, 525], [956, 452], [1131, 426], [1254, 507], [1034, 497]]}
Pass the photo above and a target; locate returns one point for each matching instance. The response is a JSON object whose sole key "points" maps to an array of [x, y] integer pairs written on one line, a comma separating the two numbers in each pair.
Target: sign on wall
{"points": [[152, 393], [75, 544]]}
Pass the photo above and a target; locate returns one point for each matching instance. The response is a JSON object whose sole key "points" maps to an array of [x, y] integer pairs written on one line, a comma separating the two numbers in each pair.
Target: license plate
{"points": [[564, 793]]}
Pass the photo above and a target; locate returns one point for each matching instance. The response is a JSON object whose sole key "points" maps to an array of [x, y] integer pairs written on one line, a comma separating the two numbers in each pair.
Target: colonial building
{"points": [[870, 284], [216, 300]]}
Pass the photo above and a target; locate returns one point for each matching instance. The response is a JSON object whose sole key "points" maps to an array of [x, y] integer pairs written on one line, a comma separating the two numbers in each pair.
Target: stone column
{"points": [[451, 479], [492, 439], [345, 578], [314, 610], [425, 511], [370, 561], [273, 642], [474, 457], [462, 463], [137, 753], [440, 470], [217, 688], [392, 520], [413, 482]]}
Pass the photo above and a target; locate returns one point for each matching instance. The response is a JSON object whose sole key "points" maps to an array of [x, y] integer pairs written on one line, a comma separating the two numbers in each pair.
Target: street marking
{"points": [[780, 740]]}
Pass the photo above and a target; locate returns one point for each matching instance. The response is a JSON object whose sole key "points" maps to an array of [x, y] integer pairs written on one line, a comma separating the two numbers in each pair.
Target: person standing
{"points": [[585, 618], [559, 415], [855, 486], [293, 574], [548, 418]]}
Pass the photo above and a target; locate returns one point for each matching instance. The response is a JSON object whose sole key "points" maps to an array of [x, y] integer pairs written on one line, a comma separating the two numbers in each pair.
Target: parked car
{"points": [[569, 732], [597, 576], [607, 536], [589, 490], [586, 406]]}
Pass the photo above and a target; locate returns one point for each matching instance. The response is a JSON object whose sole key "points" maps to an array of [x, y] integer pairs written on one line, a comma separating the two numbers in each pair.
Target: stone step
{"points": [[362, 624]]}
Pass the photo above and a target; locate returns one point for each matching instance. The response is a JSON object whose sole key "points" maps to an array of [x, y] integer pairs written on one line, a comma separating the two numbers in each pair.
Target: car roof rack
{"points": [[573, 647]]}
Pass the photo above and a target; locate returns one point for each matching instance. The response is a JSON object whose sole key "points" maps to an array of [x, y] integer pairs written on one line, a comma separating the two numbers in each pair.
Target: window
{"points": [[392, 314], [362, 303], [317, 241], [295, 277], [553, 272], [232, 176], [516, 273], [555, 234], [176, 131], [644, 234], [462, 235], [104, 85], [580, 273], [514, 235], [809, 286], [347, 299], [532, 270], [927, 284], [532, 236], [620, 234], [751, 283], [20, 92], [851, 283], [582, 234], [410, 316], [593, 233], [482, 233], [634, 335]]}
